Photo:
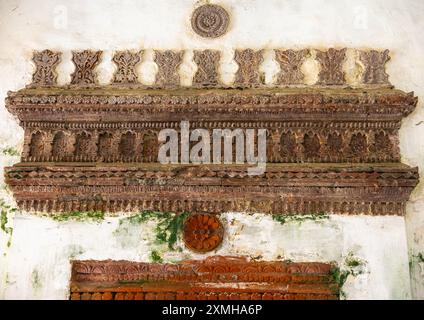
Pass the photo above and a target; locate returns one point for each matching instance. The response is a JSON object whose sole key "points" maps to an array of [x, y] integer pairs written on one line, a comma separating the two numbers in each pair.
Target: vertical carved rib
{"points": [[85, 63], [127, 145], [84, 147], [126, 62], [331, 61], [248, 74], [375, 63], [311, 145], [37, 147], [168, 62], [59, 146], [207, 68], [45, 63], [290, 62]]}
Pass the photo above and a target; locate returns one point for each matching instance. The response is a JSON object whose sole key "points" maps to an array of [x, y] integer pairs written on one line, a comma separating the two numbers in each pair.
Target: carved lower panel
{"points": [[283, 189], [213, 278], [286, 144]]}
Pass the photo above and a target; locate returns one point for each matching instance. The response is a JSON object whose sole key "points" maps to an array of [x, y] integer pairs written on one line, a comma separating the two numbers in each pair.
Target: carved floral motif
{"points": [[248, 74], [331, 62], [85, 63], [290, 62], [202, 232], [45, 63], [375, 67], [126, 62], [207, 68], [168, 62]]}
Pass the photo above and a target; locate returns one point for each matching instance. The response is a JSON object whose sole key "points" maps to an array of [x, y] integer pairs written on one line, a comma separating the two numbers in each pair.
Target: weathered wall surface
{"points": [[34, 261]]}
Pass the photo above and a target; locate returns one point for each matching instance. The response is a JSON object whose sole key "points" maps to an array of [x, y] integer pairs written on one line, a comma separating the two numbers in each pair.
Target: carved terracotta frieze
{"points": [[329, 148], [214, 278]]}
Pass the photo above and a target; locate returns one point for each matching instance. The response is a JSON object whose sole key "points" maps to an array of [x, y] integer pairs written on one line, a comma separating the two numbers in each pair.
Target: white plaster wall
{"points": [[36, 265]]}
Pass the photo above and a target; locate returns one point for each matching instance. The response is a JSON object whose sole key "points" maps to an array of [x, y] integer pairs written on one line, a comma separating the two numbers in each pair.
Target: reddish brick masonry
{"points": [[214, 278]]}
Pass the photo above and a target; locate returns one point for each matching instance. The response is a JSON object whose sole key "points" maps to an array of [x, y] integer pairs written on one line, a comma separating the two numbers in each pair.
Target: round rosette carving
{"points": [[202, 232], [210, 21]]}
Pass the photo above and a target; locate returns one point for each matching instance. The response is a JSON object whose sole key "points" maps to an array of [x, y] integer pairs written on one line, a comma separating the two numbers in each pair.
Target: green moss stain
{"points": [[351, 266], [155, 257], [36, 280], [95, 216], [5, 213], [10, 151], [299, 218], [168, 227]]}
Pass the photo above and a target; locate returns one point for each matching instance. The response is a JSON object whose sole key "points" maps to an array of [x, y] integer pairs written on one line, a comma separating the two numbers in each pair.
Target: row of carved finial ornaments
{"points": [[248, 74]]}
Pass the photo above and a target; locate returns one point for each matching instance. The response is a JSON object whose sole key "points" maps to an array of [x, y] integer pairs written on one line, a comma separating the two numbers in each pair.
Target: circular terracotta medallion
{"points": [[210, 21], [202, 232]]}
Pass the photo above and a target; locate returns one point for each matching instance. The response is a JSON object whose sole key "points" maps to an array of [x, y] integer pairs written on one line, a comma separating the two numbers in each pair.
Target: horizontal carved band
{"points": [[283, 189], [233, 278]]}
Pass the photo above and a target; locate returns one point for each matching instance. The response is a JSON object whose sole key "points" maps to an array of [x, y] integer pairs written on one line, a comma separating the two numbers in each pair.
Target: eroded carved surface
{"points": [[207, 68], [168, 63], [290, 62], [85, 62], [210, 21], [126, 62], [375, 67], [331, 62], [115, 280], [45, 64], [248, 74]]}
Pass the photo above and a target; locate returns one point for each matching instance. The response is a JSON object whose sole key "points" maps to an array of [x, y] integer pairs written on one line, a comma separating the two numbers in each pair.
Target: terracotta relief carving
{"points": [[210, 21], [248, 74], [126, 62], [45, 63], [331, 62], [85, 62], [168, 63], [344, 141], [116, 280], [290, 62], [207, 68], [202, 232], [375, 64]]}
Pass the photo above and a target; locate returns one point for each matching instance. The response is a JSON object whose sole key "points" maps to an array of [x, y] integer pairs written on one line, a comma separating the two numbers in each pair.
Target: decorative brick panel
{"points": [[223, 278]]}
